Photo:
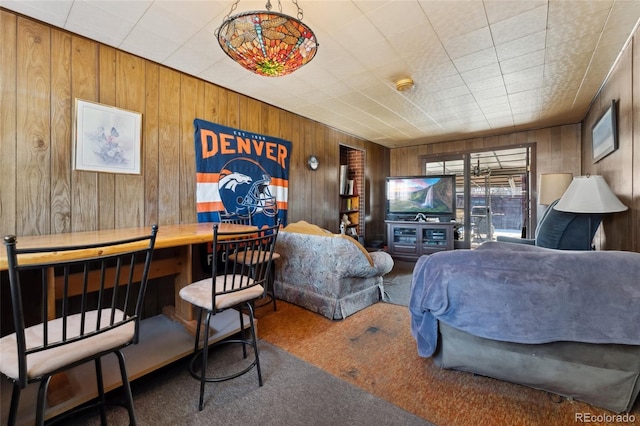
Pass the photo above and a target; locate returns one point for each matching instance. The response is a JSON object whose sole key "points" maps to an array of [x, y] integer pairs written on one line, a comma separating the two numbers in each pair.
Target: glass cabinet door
{"points": [[405, 235]]}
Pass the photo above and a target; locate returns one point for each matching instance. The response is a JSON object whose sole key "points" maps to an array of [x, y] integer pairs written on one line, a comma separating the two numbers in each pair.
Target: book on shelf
{"points": [[349, 190], [343, 179]]}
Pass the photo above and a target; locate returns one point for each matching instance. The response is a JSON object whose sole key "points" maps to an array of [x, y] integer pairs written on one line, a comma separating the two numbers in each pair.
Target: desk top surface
{"points": [[168, 236]]}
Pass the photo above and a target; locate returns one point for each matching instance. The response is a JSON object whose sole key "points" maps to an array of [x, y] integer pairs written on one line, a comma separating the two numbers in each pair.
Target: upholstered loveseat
{"points": [[567, 322], [331, 274]]}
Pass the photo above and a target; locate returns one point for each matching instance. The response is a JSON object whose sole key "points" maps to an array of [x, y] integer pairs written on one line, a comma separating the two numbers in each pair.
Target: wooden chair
{"points": [[232, 285], [96, 312]]}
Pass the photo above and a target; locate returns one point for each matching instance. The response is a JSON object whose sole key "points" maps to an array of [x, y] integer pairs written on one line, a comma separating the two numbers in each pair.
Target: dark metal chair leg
{"points": [[15, 402], [205, 356], [126, 386], [242, 334], [42, 401], [198, 328], [255, 343], [101, 398]]}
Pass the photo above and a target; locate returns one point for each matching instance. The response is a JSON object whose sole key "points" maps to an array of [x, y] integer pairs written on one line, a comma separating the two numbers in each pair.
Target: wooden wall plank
{"points": [[129, 196], [61, 119], [84, 85], [169, 147], [33, 160], [8, 130], [150, 147], [107, 95], [191, 105]]}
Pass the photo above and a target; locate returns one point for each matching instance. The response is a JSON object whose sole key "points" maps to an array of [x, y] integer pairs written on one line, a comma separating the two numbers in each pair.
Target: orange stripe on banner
{"points": [[212, 206], [282, 205], [280, 182], [207, 177]]}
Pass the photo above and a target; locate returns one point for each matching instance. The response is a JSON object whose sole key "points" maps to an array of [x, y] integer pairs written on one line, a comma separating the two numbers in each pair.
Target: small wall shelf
{"points": [[350, 206]]}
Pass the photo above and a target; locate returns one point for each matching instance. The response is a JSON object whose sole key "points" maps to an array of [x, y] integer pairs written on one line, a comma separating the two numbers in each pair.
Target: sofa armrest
{"points": [[382, 262]]}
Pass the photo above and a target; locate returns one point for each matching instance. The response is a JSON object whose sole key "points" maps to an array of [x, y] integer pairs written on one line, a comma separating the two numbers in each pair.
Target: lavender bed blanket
{"points": [[526, 294]]}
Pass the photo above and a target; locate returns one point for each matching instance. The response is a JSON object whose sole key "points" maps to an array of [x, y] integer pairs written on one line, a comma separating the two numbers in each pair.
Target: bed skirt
{"points": [[603, 375]]}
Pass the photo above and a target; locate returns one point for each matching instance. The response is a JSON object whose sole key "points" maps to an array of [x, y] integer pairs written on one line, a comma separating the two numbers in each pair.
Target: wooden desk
{"points": [[182, 237], [162, 338]]}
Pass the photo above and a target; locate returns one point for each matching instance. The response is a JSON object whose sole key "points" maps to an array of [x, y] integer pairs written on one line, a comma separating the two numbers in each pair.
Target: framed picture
{"points": [[604, 134], [106, 139]]}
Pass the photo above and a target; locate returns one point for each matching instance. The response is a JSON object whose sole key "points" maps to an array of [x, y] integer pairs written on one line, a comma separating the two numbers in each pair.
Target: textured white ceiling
{"points": [[480, 67]]}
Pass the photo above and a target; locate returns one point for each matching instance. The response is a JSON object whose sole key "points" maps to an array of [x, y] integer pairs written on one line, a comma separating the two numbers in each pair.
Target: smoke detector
{"points": [[404, 84]]}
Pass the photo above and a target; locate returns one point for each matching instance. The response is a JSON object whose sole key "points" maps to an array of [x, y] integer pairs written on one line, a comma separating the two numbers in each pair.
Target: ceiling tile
{"points": [[524, 24]]}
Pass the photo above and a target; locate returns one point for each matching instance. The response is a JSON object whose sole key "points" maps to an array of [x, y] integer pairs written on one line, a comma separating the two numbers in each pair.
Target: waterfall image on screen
{"points": [[430, 195], [428, 199]]}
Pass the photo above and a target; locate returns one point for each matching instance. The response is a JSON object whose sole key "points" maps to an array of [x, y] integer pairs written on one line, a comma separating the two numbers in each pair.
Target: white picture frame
{"points": [[106, 139]]}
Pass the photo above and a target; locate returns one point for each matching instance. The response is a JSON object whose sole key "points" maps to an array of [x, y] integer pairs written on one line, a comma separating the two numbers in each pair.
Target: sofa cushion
{"points": [[303, 227]]}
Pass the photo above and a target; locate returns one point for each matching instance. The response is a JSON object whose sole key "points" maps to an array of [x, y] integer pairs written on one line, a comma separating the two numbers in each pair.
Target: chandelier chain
{"points": [[233, 8], [300, 13]]}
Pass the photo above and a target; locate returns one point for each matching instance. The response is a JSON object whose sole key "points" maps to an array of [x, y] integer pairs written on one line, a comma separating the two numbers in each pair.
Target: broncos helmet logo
{"points": [[243, 185], [232, 180]]}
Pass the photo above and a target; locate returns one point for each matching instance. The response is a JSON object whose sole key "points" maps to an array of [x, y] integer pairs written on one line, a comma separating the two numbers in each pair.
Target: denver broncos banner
{"points": [[241, 173]]}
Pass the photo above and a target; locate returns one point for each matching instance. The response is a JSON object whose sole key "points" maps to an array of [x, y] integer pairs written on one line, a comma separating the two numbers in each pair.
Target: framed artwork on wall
{"points": [[106, 139], [604, 134]]}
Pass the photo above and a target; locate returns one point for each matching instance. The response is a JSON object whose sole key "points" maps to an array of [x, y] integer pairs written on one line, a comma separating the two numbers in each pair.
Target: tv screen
{"points": [[433, 196]]}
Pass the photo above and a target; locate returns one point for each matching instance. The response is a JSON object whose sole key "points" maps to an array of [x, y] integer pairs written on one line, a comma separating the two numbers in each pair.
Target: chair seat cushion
{"points": [[46, 361], [199, 293]]}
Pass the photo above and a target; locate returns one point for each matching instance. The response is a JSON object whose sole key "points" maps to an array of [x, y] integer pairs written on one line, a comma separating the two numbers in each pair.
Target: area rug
{"points": [[374, 350], [294, 393]]}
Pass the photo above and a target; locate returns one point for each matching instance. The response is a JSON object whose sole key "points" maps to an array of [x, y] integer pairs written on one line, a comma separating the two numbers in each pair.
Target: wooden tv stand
{"points": [[408, 240]]}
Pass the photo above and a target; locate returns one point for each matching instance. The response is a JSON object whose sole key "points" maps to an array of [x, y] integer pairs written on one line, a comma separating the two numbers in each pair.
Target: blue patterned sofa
{"points": [[331, 274]]}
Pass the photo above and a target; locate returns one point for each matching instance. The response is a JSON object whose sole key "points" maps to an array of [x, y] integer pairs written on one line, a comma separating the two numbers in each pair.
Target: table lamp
{"points": [[589, 195]]}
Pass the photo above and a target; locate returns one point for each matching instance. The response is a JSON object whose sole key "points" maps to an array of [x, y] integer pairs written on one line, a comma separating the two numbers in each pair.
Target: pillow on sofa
{"points": [[303, 227]]}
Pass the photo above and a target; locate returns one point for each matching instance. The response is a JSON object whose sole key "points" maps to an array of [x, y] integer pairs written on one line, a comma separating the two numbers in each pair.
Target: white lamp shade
{"points": [[589, 194], [552, 186]]}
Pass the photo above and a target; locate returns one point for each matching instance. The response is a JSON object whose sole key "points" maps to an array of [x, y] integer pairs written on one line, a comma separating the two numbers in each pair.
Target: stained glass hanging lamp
{"points": [[267, 43]]}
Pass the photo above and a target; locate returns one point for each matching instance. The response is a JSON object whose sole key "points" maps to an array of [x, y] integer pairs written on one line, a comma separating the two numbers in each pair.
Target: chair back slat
{"points": [[93, 294], [235, 218], [241, 259]]}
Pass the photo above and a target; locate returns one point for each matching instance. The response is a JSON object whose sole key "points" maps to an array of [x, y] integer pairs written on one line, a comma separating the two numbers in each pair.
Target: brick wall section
{"points": [[355, 161]]}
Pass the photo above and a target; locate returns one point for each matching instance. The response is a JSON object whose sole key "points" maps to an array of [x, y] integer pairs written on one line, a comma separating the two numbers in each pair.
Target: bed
{"points": [[566, 322]]}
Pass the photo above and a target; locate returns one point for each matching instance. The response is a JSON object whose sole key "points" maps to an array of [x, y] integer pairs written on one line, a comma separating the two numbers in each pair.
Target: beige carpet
{"points": [[374, 350]]}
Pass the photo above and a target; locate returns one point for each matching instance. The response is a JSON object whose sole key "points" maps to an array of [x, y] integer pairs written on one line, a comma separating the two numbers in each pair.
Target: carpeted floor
{"points": [[397, 283], [374, 350], [294, 393]]}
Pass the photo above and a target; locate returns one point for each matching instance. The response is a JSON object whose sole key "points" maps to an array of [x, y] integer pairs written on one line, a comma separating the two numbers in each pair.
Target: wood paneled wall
{"points": [[44, 69], [568, 149], [621, 169]]}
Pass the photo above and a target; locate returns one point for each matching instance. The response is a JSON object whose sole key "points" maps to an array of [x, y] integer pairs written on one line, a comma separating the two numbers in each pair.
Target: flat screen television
{"points": [[434, 196]]}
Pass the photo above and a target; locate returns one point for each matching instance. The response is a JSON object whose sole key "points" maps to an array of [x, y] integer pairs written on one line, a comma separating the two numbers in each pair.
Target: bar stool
{"points": [[232, 285]]}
